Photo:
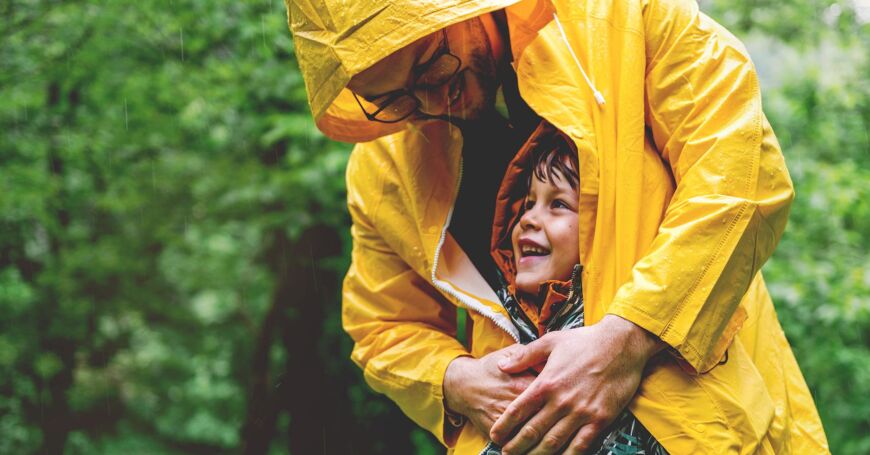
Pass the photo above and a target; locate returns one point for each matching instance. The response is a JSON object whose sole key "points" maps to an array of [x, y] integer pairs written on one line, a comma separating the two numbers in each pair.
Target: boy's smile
{"points": [[545, 240], [531, 251]]}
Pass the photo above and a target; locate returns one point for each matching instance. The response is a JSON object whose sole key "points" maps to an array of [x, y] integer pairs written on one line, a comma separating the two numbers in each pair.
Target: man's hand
{"points": [[591, 374], [479, 390]]}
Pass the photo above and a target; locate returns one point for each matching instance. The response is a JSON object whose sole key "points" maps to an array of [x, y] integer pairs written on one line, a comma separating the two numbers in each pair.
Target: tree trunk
{"points": [[295, 315], [305, 386], [55, 421]]}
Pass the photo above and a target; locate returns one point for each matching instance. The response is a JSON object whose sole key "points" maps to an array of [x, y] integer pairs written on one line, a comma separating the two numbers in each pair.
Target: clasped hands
{"points": [[588, 375]]}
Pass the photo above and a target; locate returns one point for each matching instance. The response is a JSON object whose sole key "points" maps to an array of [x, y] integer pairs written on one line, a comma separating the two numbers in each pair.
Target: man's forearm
{"points": [[636, 338]]}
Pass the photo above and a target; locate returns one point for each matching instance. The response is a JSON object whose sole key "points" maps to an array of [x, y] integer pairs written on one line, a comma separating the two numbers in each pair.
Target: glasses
{"points": [[397, 105]]}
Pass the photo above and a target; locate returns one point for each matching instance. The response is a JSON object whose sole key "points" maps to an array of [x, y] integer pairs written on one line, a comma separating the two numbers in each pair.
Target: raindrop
{"points": [[126, 119], [263, 28], [181, 36], [313, 269]]}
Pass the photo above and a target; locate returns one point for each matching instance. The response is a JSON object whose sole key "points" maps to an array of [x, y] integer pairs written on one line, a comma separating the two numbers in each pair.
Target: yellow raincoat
{"points": [[684, 194]]}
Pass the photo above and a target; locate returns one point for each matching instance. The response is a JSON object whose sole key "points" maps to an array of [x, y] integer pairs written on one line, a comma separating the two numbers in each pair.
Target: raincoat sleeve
{"points": [[403, 329], [733, 191]]}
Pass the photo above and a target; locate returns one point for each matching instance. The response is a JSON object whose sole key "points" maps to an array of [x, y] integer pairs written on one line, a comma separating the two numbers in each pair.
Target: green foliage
{"points": [[152, 154], [820, 275], [813, 62], [161, 183]]}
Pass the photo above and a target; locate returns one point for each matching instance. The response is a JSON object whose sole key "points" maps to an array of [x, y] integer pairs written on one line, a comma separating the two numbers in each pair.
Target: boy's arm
{"points": [[733, 190]]}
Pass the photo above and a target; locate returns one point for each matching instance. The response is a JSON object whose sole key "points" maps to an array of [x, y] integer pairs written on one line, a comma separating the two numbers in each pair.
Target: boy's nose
{"points": [[529, 220]]}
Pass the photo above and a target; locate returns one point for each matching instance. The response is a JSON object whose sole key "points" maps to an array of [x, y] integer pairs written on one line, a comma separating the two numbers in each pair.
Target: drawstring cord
{"points": [[598, 96]]}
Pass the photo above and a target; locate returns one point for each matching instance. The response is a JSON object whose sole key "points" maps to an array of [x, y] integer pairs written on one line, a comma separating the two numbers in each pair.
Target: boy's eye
{"points": [[560, 204], [529, 204]]}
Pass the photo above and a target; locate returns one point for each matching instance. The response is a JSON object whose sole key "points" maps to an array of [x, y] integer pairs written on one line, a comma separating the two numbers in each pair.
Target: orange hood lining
{"points": [[511, 194]]}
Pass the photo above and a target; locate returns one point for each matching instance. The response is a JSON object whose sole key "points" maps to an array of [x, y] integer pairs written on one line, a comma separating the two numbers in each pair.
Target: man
{"points": [[683, 196]]}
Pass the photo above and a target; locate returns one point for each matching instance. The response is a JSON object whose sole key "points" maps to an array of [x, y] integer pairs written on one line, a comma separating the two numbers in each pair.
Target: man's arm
{"points": [[729, 209], [733, 190], [403, 330]]}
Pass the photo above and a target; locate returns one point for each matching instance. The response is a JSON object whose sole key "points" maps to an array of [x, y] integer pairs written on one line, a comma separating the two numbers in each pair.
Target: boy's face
{"points": [[546, 240]]}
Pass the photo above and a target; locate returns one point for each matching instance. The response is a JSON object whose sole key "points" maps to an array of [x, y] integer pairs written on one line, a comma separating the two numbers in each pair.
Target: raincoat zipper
{"points": [[468, 302]]}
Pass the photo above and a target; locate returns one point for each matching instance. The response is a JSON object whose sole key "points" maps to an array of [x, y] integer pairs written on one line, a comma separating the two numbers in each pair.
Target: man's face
{"points": [[545, 240], [473, 87]]}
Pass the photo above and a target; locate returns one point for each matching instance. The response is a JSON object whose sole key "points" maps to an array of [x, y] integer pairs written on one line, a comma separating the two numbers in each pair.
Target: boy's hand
{"points": [[479, 390], [591, 374]]}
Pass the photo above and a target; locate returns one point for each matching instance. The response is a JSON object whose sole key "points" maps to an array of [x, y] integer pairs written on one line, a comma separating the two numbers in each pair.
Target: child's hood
{"points": [[512, 193], [508, 210]]}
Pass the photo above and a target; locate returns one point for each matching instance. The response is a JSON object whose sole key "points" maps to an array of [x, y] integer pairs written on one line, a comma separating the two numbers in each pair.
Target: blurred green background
{"points": [[173, 229]]}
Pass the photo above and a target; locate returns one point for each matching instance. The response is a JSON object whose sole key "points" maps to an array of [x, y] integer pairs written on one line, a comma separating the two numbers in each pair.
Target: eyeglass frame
{"points": [[419, 70]]}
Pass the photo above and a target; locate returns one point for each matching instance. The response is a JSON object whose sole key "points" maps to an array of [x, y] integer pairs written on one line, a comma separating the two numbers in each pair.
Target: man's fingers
{"points": [[559, 436], [531, 432], [583, 441], [523, 407], [524, 357]]}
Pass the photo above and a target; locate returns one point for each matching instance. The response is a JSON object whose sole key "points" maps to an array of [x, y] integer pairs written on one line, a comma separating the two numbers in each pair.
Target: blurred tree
{"points": [[813, 60], [172, 231]]}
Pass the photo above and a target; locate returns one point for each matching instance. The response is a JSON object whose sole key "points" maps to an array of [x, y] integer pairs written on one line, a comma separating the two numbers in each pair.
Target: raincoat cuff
{"points": [[691, 359], [687, 355], [421, 398]]}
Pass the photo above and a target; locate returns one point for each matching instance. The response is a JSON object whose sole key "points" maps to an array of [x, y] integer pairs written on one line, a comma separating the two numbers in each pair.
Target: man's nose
{"points": [[433, 101]]}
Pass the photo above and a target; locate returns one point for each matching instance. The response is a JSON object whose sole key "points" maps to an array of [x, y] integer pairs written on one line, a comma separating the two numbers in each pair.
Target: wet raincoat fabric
{"points": [[683, 196], [558, 305]]}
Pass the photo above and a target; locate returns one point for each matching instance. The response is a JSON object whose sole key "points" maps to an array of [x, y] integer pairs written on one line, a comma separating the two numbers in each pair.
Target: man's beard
{"points": [[481, 75]]}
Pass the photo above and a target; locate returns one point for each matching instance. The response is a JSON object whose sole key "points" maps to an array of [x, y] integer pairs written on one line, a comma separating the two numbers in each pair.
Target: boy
{"points": [[535, 245]]}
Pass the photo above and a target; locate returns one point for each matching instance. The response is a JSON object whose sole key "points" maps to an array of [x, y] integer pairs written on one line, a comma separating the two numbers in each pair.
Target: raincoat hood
{"points": [[329, 35]]}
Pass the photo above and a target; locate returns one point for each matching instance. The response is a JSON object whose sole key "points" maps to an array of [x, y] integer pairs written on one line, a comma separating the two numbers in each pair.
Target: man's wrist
{"points": [[454, 418], [452, 403], [640, 340]]}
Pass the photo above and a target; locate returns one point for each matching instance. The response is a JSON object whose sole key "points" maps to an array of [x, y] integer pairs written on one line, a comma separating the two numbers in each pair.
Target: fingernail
{"points": [[503, 363]]}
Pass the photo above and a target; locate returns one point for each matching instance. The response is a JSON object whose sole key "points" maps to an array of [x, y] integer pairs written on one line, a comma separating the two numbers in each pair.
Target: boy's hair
{"points": [[554, 157]]}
